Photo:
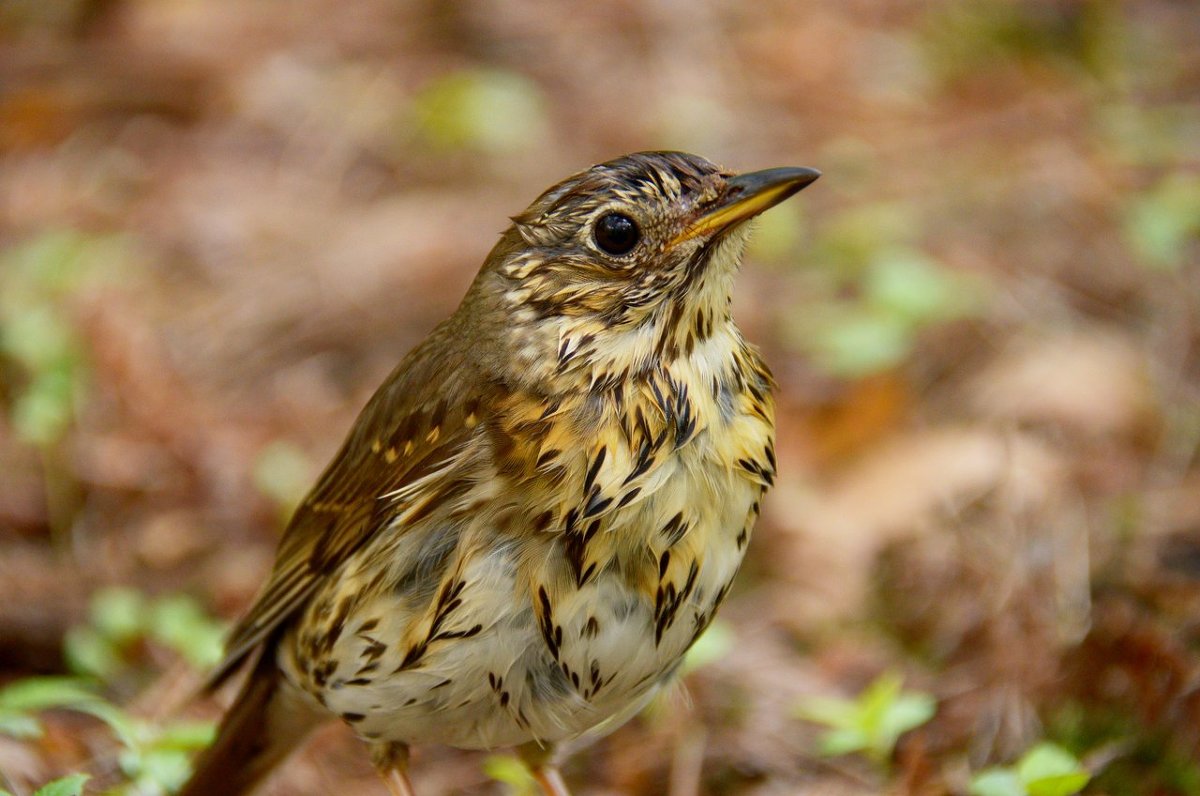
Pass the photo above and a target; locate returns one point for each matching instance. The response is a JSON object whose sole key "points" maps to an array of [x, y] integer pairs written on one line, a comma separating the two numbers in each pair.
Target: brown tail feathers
{"points": [[266, 722]]}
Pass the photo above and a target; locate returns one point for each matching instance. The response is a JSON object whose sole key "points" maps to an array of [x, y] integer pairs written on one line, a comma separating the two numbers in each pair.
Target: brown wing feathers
{"points": [[393, 443]]}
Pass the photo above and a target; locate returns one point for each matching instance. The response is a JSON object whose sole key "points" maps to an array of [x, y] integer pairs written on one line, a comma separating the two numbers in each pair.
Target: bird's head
{"points": [[628, 251]]}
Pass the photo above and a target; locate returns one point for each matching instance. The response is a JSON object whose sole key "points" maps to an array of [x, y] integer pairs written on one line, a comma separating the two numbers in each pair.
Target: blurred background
{"points": [[223, 222]]}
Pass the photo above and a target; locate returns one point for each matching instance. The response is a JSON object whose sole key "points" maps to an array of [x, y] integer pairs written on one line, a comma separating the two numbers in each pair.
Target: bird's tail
{"points": [[267, 721]]}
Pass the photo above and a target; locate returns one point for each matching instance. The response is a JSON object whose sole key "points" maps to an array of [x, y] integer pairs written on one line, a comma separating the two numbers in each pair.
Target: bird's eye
{"points": [[617, 233]]}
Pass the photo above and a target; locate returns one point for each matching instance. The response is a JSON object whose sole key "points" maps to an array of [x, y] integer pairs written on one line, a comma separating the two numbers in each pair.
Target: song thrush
{"points": [[543, 506]]}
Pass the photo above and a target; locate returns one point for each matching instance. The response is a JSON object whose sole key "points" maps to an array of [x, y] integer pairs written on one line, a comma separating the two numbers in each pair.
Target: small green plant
{"points": [[899, 292], [22, 701], [1045, 770], [872, 722], [66, 786], [878, 290], [1161, 224], [153, 756], [37, 332], [44, 356], [121, 619], [509, 771]]}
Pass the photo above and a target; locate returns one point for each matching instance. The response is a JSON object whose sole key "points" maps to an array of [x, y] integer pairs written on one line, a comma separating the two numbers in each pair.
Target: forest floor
{"points": [[222, 223]]}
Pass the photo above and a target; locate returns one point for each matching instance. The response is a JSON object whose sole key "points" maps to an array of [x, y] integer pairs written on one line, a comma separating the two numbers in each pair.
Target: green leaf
{"points": [[119, 614], [844, 741], [89, 653], [44, 411], [1049, 770], [180, 623], [67, 786], [878, 697], [830, 711], [859, 343], [910, 285], [1046, 760], [20, 726], [25, 697], [37, 337], [1045, 770], [871, 723], [1059, 785], [187, 735], [1160, 224], [166, 768], [909, 711], [125, 728], [43, 693], [510, 771], [996, 782]]}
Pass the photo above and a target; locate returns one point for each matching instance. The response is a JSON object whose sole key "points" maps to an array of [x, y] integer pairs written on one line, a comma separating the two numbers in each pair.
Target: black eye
{"points": [[617, 233]]}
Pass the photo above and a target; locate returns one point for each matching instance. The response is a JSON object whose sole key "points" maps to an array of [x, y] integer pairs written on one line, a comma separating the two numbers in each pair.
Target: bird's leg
{"points": [[550, 781], [542, 762], [391, 761]]}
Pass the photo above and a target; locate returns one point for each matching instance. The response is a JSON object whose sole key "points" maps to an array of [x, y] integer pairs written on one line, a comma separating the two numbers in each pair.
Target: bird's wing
{"points": [[420, 418]]}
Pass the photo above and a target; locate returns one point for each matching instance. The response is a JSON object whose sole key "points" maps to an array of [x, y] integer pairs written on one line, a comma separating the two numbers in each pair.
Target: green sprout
{"points": [[1161, 224], [120, 619], [155, 757], [1045, 770], [71, 785], [38, 280], [23, 700], [872, 722], [509, 771]]}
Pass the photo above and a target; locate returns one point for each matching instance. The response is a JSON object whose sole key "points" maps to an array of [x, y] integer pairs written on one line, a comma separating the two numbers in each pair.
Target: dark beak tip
{"points": [[796, 177], [800, 175]]}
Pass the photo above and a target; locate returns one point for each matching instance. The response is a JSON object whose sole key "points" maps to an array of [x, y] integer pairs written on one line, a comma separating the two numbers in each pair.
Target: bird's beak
{"points": [[747, 195]]}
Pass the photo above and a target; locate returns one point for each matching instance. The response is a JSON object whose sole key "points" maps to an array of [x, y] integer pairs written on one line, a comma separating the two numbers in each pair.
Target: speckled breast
{"points": [[558, 590]]}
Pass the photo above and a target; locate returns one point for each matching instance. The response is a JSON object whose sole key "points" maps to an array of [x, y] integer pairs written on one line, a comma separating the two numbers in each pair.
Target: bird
{"points": [[544, 504]]}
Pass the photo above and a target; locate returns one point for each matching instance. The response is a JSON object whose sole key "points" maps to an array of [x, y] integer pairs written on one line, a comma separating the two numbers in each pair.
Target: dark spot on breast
{"points": [[674, 530], [590, 628], [594, 470], [596, 505], [628, 496]]}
